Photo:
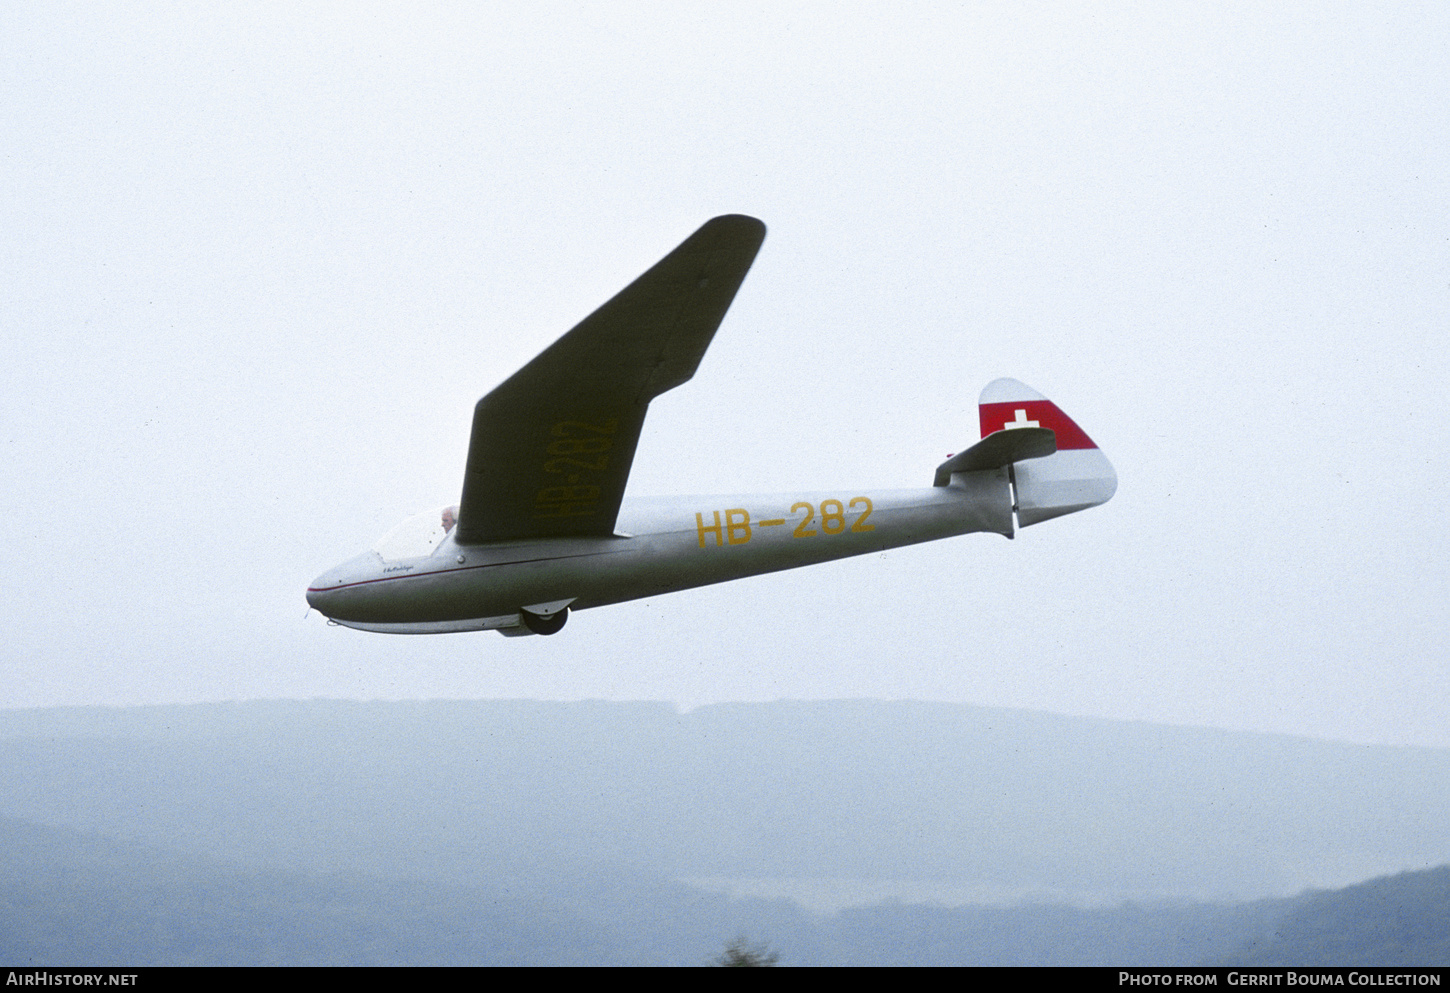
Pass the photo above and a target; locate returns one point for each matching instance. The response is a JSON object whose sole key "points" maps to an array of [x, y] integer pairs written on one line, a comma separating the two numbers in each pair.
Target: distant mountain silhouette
{"points": [[326, 832], [1401, 920], [67, 898]]}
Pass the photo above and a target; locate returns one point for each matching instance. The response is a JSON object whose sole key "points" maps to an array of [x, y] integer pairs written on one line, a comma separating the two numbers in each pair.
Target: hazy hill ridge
{"points": [[852, 789], [1402, 920], [507, 801], [68, 898]]}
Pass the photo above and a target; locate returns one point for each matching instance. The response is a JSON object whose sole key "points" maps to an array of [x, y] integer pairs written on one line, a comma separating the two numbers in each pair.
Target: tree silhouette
{"points": [[741, 953]]}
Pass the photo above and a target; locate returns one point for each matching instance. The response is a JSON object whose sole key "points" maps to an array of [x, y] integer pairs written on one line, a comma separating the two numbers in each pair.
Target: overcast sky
{"points": [[260, 262]]}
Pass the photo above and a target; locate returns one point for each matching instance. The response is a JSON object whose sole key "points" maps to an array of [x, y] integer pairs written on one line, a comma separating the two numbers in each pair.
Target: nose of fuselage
{"points": [[321, 594], [317, 596], [329, 593]]}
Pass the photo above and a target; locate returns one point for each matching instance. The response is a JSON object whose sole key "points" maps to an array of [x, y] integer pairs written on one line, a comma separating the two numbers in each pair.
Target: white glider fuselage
{"points": [[662, 545]]}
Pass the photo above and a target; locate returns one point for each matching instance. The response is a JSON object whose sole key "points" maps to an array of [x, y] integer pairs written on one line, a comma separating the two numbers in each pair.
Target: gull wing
{"points": [[552, 446]]}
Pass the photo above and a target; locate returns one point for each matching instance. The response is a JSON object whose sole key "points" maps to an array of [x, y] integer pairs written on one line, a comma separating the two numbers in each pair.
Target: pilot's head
{"points": [[450, 518]]}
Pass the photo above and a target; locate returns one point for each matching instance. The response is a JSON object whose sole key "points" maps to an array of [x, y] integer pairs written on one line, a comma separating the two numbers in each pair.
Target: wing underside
{"points": [[552, 446]]}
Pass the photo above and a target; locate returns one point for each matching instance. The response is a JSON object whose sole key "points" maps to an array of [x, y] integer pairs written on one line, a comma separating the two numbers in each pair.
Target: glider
{"points": [[543, 527]]}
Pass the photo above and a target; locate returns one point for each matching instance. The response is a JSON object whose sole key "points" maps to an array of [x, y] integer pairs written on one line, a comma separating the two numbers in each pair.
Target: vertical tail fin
{"points": [[1077, 476]]}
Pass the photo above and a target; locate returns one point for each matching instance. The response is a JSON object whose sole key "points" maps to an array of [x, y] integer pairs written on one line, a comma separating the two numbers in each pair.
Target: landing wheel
{"points": [[539, 624]]}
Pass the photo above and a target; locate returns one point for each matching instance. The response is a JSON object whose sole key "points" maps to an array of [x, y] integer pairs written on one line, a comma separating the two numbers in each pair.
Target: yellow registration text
{"points": [[734, 527], [578, 451]]}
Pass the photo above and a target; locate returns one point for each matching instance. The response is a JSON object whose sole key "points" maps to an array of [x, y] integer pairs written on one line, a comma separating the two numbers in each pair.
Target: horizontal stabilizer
{"points": [[998, 449]]}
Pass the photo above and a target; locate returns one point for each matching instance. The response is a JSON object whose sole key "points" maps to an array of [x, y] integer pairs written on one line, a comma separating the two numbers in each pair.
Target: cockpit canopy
{"points": [[417, 536]]}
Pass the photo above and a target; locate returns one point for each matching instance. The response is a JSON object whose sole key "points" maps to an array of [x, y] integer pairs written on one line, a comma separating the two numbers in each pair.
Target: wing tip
{"points": [[741, 224]]}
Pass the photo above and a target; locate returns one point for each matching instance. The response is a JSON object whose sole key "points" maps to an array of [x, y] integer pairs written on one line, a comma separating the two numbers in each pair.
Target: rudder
{"points": [[1077, 476]]}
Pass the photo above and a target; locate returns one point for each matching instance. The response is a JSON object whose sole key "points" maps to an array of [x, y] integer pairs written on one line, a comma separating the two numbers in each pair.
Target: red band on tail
{"points": [[1034, 413]]}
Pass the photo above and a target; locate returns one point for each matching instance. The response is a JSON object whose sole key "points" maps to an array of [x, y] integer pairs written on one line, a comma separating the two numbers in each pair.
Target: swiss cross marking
{"points": [[1021, 421]]}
